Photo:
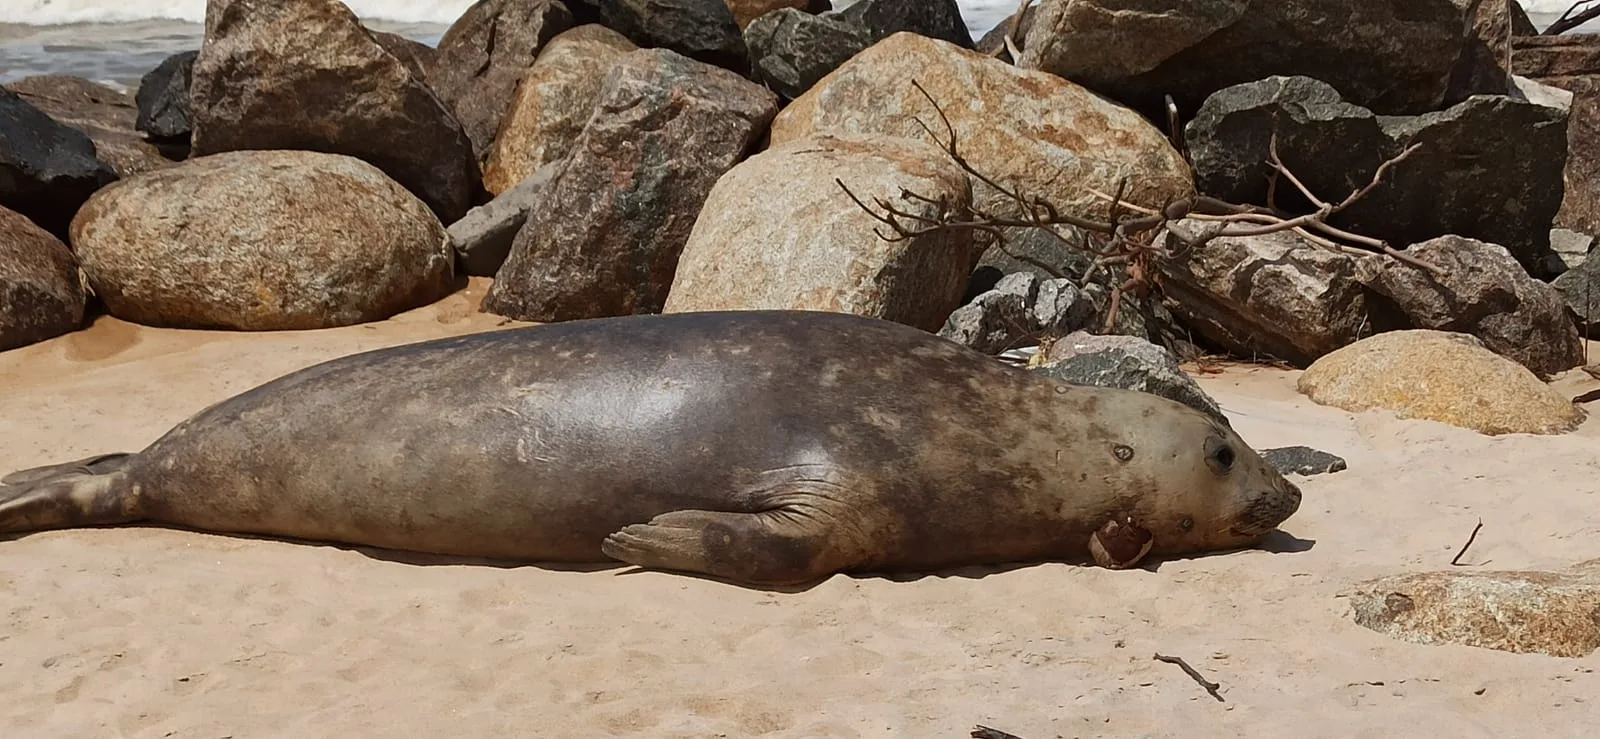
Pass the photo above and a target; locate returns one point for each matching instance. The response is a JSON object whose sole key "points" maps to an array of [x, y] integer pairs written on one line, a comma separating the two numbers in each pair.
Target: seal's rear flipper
{"points": [[89, 492], [776, 547]]}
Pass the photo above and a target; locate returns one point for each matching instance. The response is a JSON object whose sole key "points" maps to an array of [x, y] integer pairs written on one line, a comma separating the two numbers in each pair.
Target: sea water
{"points": [[117, 41]]}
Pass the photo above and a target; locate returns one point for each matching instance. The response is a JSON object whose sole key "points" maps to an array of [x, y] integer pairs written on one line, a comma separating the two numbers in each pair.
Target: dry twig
{"points": [[1456, 560], [1210, 687]]}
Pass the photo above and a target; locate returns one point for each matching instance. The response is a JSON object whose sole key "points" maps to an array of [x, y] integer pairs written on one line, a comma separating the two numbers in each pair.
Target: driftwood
{"points": [[1131, 237], [1574, 17]]}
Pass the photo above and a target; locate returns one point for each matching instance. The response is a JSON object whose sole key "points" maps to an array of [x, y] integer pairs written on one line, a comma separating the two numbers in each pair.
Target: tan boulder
{"points": [[1554, 613], [262, 240], [40, 293], [1439, 376], [809, 247], [1024, 129], [552, 103]]}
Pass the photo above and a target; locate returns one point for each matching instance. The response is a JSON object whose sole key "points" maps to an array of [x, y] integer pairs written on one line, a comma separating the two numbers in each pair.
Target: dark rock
{"points": [[483, 237], [1021, 310], [993, 43], [40, 293], [483, 56], [1580, 288], [47, 169], [746, 12], [1568, 250], [790, 50], [699, 29], [1571, 62], [307, 76], [1303, 460], [418, 57], [1480, 291], [1482, 67], [603, 238], [1128, 363], [163, 99], [106, 115], [1103, 42], [938, 19]]}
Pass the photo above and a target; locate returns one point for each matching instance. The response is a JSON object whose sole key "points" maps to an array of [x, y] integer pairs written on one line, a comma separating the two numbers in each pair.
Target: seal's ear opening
{"points": [[1219, 455]]}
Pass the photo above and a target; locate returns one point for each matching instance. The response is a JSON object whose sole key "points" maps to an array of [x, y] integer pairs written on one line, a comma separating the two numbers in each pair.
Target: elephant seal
{"points": [[759, 447]]}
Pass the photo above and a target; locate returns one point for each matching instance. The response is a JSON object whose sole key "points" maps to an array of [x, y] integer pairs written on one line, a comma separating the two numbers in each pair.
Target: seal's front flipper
{"points": [[89, 492], [782, 546]]}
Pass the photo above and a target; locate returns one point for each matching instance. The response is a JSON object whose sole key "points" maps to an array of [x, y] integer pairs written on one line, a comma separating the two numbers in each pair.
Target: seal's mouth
{"points": [[1267, 510]]}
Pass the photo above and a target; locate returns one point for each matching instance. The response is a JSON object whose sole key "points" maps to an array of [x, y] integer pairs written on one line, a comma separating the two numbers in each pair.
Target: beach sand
{"points": [[152, 632]]}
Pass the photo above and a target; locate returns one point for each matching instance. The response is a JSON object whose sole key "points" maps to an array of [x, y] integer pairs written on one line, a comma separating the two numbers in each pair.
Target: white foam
{"points": [[60, 12]]}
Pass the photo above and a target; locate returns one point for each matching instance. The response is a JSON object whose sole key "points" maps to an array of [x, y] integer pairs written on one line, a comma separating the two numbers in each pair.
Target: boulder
{"points": [[1482, 67], [935, 19], [41, 295], [107, 116], [704, 30], [1439, 376], [262, 240], [483, 237], [1571, 62], [1036, 132], [418, 57], [1303, 460], [746, 12], [163, 99], [1556, 613], [1021, 310], [305, 75], [483, 56], [552, 103], [1568, 250], [604, 236], [1267, 296], [1479, 290], [47, 169], [791, 50], [1395, 57], [812, 248], [1580, 289], [1124, 362]]}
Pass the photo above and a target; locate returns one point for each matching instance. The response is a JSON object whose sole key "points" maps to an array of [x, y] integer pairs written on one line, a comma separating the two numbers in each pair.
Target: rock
{"points": [[1021, 310], [1571, 62], [552, 103], [305, 75], [483, 237], [1303, 460], [1568, 250], [262, 240], [1541, 612], [746, 12], [418, 57], [815, 249], [1271, 296], [163, 99], [1488, 168], [1128, 363], [791, 50], [484, 55], [1410, 52], [47, 169], [107, 116], [1482, 66], [1580, 289], [1060, 308], [704, 30], [1480, 291], [603, 238], [935, 19], [40, 293], [1446, 377], [1049, 137]]}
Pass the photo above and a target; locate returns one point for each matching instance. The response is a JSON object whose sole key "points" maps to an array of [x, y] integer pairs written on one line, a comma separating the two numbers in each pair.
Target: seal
{"points": [[759, 447]]}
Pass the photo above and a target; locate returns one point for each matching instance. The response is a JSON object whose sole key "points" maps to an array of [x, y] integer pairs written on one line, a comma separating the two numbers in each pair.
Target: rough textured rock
{"points": [[603, 238], [1100, 42], [746, 12], [1554, 613], [483, 237], [1125, 362], [1303, 460], [1480, 290], [305, 75], [418, 57], [1051, 138], [1409, 51], [105, 115], [1021, 310], [1446, 377], [484, 55], [163, 99], [47, 169], [40, 293], [1571, 62], [1569, 249], [1268, 296], [1488, 168], [814, 249], [1580, 289], [1481, 68], [552, 103], [791, 50], [936, 19], [262, 240], [704, 30]]}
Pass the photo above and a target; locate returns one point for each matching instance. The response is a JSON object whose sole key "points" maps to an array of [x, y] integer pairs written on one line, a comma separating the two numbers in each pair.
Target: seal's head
{"points": [[1197, 485]]}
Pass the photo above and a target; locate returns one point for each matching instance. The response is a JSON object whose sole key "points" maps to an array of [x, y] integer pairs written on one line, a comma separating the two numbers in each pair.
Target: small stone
{"points": [[1303, 460]]}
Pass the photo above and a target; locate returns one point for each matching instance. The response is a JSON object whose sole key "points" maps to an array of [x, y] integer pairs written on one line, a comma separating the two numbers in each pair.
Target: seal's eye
{"points": [[1219, 456]]}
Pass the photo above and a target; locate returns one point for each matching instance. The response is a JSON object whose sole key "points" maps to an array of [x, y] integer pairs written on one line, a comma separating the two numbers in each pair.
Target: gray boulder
{"points": [[1128, 363]]}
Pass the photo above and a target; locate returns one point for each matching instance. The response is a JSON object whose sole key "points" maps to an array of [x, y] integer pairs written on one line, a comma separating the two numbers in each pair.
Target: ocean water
{"points": [[117, 41]]}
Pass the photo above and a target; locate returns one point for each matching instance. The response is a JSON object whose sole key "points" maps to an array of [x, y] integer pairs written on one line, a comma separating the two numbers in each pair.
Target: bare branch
{"points": [[1573, 17]]}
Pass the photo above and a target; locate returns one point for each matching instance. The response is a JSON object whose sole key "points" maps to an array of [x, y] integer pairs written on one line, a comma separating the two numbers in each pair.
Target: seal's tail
{"points": [[87, 492]]}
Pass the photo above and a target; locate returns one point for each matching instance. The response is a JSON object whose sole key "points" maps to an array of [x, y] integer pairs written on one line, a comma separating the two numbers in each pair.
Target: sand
{"points": [[153, 632]]}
